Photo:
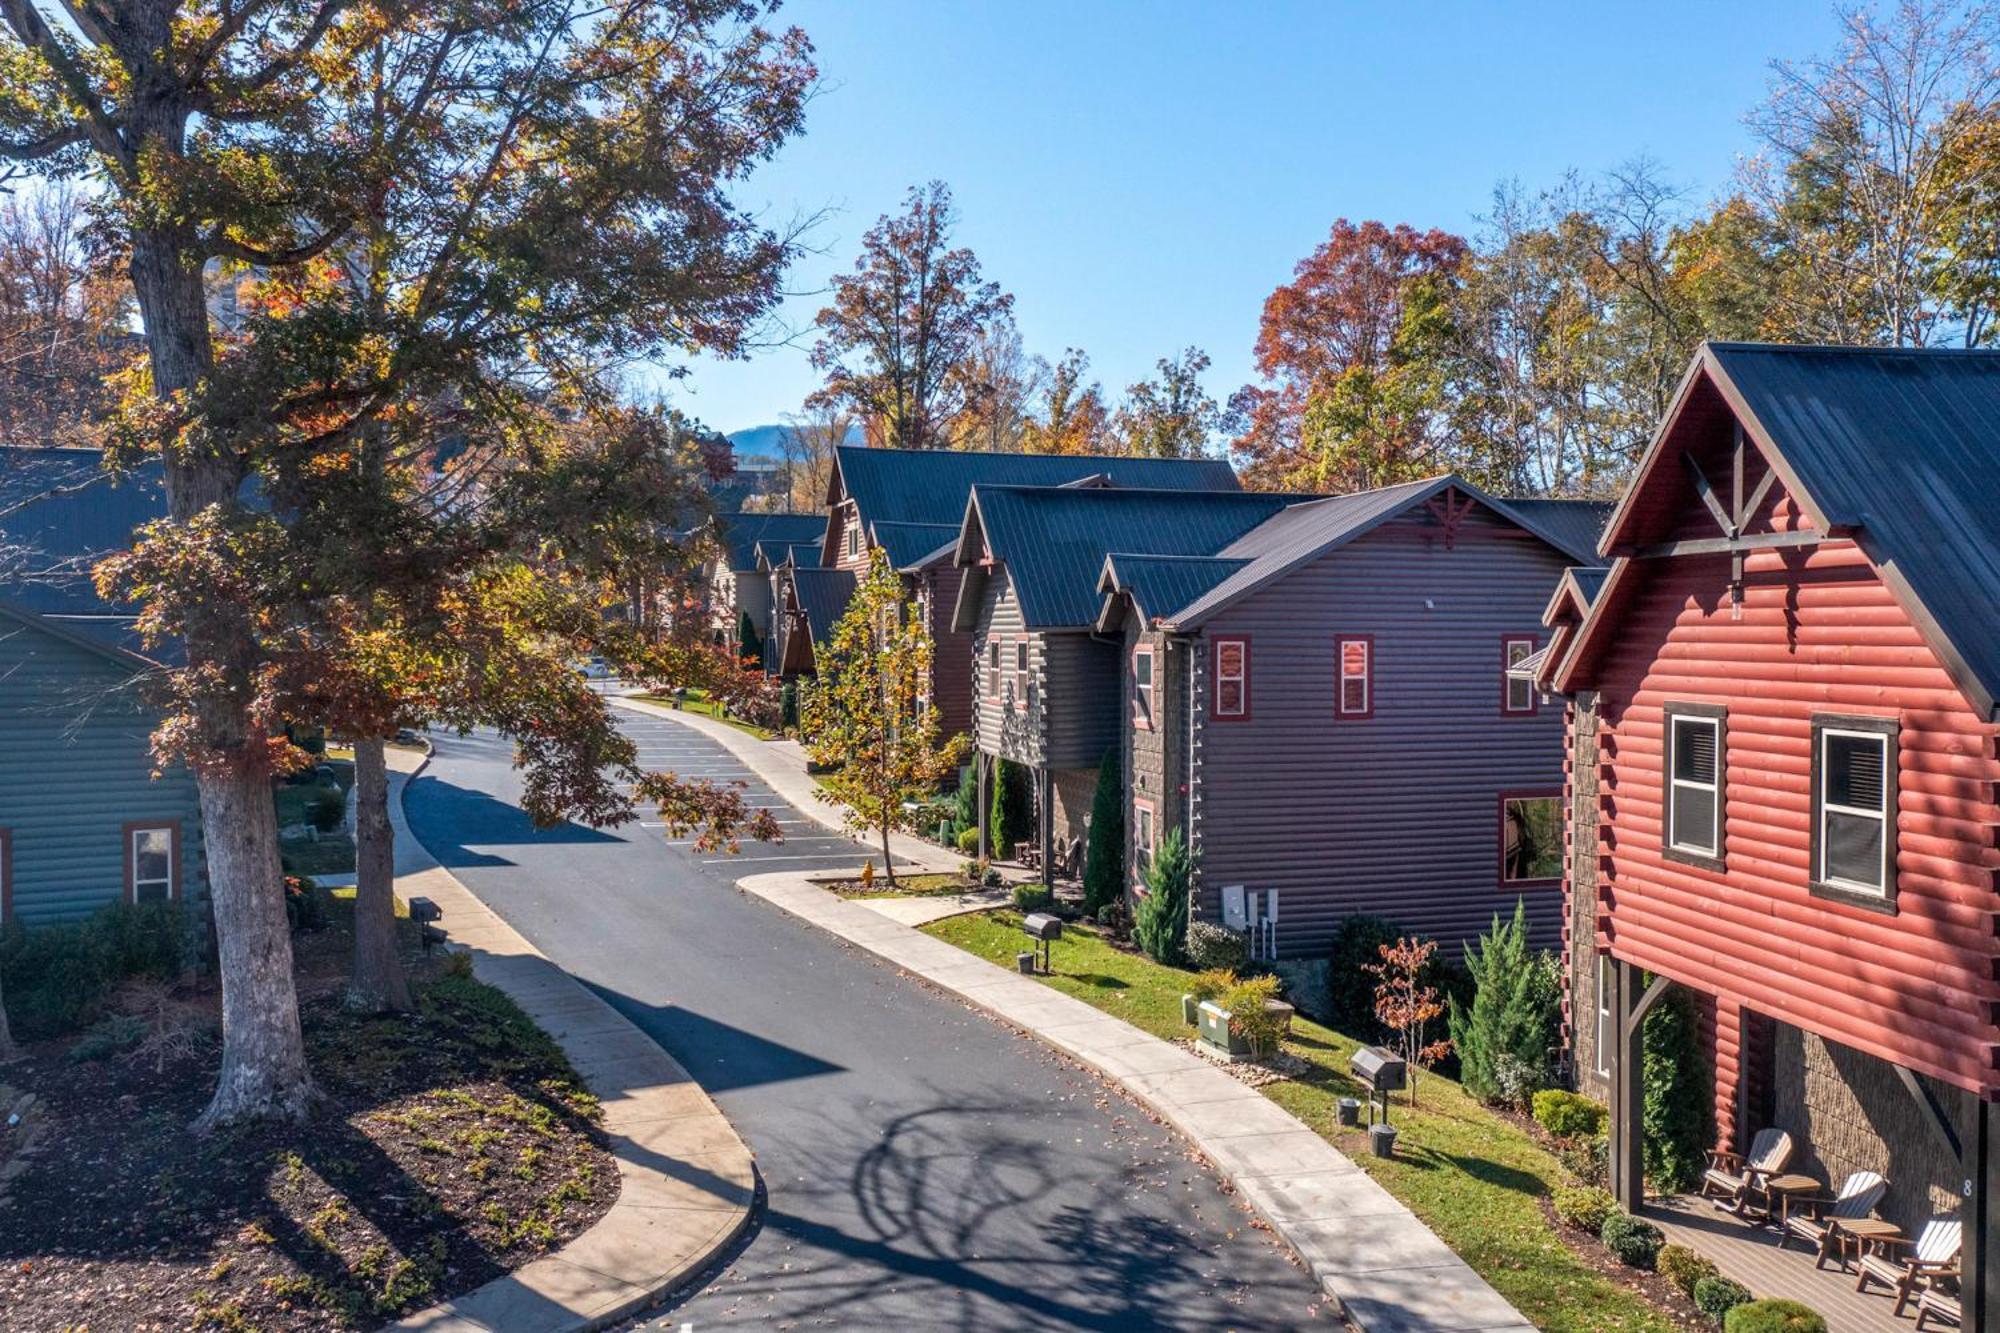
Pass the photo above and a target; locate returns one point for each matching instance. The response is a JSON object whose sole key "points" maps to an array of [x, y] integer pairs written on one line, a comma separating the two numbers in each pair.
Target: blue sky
{"points": [[1141, 175]]}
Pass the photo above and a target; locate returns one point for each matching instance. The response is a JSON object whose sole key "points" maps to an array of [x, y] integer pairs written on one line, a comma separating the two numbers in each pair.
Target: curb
{"points": [[687, 1182], [1382, 1268]]}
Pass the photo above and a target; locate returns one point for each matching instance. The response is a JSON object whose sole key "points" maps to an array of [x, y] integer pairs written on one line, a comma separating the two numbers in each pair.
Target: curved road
{"points": [[925, 1168]]}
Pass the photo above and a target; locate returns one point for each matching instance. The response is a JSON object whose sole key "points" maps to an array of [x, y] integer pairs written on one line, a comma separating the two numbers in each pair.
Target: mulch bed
{"points": [[452, 1145]]}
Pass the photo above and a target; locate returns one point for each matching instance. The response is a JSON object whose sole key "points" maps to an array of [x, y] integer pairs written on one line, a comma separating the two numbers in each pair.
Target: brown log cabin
{"points": [[1782, 770]]}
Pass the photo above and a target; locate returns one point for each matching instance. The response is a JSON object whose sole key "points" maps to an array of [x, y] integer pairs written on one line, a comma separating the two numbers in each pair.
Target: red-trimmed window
{"points": [[1531, 832], [1354, 676], [153, 862], [1142, 688], [1517, 693], [1142, 835], [1232, 679]]}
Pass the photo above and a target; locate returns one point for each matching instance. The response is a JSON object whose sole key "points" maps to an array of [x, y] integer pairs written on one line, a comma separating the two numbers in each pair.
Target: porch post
{"points": [[1982, 1284], [979, 766], [1045, 782], [1627, 1148]]}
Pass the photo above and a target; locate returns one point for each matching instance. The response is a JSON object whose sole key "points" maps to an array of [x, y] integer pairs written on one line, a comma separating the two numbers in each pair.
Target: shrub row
{"points": [[57, 979]]}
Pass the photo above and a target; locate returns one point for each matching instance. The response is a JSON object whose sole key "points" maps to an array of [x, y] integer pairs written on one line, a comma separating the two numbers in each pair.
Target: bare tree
{"points": [[806, 447], [64, 318]]}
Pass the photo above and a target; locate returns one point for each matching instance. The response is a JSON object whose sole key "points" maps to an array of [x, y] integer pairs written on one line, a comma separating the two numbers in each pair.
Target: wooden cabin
{"points": [[736, 585], [1322, 704], [911, 503], [1782, 769]]}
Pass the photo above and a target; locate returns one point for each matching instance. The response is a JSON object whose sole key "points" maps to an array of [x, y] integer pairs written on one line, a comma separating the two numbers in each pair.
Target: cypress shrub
{"points": [[1679, 1111], [1684, 1268], [1160, 923], [1567, 1114], [749, 644], [1773, 1316], [1717, 1296], [1013, 814], [788, 705], [1505, 1035], [1635, 1241], [1104, 857]]}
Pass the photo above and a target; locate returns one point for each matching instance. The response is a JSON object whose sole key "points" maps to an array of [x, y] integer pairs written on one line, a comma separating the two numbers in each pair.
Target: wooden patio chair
{"points": [[1910, 1267], [1731, 1176], [1934, 1304], [1810, 1217]]}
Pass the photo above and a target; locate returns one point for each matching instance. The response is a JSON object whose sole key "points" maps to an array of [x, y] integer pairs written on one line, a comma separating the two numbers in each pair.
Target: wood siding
{"points": [[75, 769], [1819, 633], [1005, 725], [936, 589], [1397, 814]]}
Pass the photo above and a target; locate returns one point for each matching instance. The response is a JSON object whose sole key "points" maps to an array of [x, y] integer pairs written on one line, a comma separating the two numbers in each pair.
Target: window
{"points": [[1142, 687], [1142, 836], [1354, 660], [1854, 804], [1531, 838], [853, 540], [1606, 975], [1024, 689], [993, 669], [152, 862], [1696, 759], [1232, 679], [1517, 693]]}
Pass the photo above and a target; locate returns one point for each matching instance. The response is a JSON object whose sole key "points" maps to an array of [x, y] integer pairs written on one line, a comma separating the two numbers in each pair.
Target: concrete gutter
{"points": [[687, 1183], [1385, 1269]]}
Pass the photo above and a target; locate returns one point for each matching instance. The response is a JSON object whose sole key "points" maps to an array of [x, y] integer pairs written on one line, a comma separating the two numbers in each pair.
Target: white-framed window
{"points": [[1605, 974], [1142, 687], [152, 863], [1695, 760], [1232, 678], [1517, 693], [1354, 667], [853, 540], [1854, 801]]}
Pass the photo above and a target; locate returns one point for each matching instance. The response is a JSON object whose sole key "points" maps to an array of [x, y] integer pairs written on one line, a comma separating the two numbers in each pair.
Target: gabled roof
{"points": [[1307, 531], [1158, 584], [67, 513], [1576, 592], [1898, 448], [1054, 540], [912, 545], [823, 595], [931, 485], [740, 533], [774, 554], [90, 634]]}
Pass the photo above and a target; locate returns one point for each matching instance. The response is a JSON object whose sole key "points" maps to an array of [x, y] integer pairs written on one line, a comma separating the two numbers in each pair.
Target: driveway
{"points": [[925, 1167]]}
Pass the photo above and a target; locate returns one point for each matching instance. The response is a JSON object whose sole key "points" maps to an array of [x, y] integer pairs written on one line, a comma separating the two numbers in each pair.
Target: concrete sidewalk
{"points": [[1387, 1271], [782, 766], [686, 1181]]}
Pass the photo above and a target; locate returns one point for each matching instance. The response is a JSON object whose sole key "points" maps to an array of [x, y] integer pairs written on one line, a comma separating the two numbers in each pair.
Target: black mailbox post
{"points": [[1042, 927], [1382, 1071], [427, 914]]}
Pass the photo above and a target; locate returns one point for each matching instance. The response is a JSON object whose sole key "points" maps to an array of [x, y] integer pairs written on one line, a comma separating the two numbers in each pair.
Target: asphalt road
{"points": [[924, 1167]]}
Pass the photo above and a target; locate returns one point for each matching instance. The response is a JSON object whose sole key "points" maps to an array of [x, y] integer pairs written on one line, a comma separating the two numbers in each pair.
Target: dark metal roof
{"points": [[772, 554], [1159, 584], [823, 596], [931, 485], [65, 513], [1570, 525], [1054, 540], [911, 545], [740, 533], [1902, 446]]}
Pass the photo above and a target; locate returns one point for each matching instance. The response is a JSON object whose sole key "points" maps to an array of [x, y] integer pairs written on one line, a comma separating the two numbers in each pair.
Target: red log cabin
{"points": [[1782, 769]]}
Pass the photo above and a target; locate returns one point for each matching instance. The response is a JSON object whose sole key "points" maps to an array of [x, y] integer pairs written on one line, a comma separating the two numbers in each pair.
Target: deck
{"points": [[1751, 1256]]}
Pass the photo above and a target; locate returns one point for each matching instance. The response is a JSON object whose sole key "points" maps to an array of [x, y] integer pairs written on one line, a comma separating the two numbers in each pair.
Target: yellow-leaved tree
{"points": [[865, 714]]}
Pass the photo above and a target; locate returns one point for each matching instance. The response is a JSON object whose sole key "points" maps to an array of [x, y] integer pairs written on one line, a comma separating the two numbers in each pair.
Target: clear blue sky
{"points": [[1141, 175]]}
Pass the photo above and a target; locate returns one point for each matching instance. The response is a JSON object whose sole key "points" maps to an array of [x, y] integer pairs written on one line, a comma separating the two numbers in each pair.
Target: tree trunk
{"points": [[379, 984], [264, 1072], [888, 858]]}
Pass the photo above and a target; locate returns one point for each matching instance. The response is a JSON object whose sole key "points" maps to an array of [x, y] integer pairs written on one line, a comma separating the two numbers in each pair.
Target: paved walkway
{"points": [[686, 1181], [1389, 1273]]}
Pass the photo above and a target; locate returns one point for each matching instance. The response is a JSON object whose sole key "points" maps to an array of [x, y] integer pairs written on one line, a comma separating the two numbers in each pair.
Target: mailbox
{"points": [[1042, 928], [1382, 1072], [427, 914]]}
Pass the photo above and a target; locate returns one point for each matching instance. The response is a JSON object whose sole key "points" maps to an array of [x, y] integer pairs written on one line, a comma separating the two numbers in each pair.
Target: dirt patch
{"points": [[453, 1144], [1663, 1295]]}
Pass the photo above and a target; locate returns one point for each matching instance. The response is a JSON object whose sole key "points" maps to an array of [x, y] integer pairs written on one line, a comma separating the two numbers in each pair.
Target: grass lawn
{"points": [[1473, 1177], [699, 702], [907, 886]]}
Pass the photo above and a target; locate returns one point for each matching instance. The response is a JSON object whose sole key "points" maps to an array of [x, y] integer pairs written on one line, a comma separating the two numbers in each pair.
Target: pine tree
{"points": [[1503, 1037], [1160, 924], [1010, 818], [749, 644], [1104, 861]]}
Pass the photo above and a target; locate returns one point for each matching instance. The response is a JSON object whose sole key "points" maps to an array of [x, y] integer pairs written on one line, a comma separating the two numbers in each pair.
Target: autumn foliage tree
{"points": [[1407, 1004], [865, 713], [900, 336], [560, 174]]}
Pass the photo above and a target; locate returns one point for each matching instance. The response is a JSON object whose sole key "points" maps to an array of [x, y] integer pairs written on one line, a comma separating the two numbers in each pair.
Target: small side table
{"points": [[1778, 1190], [1861, 1231]]}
